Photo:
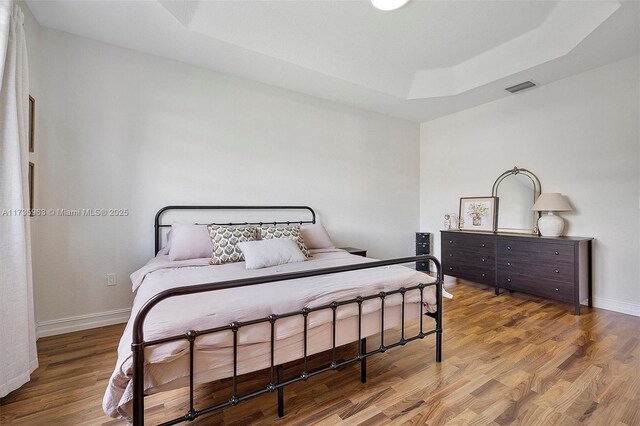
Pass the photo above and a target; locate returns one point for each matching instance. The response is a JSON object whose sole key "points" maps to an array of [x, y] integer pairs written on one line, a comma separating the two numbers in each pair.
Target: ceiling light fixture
{"points": [[388, 5]]}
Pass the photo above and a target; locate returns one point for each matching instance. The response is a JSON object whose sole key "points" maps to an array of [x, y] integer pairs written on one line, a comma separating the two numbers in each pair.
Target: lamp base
{"points": [[550, 225]]}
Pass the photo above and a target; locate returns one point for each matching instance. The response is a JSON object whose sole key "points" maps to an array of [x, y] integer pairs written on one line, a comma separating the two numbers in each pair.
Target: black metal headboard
{"points": [[159, 226]]}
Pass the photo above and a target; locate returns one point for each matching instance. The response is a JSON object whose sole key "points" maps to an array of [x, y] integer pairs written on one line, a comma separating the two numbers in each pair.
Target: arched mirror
{"points": [[517, 190]]}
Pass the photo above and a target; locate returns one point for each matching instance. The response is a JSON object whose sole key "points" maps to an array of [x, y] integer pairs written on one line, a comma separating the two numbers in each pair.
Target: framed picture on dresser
{"points": [[478, 214]]}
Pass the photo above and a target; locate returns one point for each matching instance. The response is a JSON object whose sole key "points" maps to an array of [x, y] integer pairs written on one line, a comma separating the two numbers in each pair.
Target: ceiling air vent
{"points": [[520, 87]]}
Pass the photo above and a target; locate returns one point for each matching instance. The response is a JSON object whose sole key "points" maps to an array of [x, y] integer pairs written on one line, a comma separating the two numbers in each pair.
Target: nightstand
{"points": [[355, 251]]}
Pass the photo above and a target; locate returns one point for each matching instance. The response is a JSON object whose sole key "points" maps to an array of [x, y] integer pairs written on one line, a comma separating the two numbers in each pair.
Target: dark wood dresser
{"points": [[557, 268]]}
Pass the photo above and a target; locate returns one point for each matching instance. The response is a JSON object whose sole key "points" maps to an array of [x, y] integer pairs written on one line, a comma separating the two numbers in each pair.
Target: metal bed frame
{"points": [[276, 383]]}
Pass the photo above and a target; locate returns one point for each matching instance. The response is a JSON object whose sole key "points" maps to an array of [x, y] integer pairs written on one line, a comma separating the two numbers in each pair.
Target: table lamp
{"points": [[551, 225]]}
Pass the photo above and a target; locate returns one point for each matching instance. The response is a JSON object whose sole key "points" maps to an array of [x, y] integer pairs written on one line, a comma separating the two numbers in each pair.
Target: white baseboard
{"points": [[81, 322], [616, 306]]}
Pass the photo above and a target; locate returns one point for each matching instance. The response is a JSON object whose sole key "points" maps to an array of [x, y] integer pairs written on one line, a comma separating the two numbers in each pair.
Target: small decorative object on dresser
{"points": [[450, 221], [555, 268], [478, 213], [454, 221], [355, 251], [423, 246], [551, 225]]}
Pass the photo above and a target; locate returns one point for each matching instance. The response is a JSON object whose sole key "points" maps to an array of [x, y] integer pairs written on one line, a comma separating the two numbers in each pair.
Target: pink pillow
{"points": [[164, 251], [316, 237], [189, 242]]}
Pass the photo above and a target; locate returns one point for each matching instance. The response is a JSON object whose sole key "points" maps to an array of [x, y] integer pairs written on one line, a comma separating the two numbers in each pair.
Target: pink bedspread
{"points": [[180, 314]]}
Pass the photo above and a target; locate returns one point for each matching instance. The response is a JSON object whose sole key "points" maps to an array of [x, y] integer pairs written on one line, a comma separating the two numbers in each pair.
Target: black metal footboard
{"points": [[276, 382]]}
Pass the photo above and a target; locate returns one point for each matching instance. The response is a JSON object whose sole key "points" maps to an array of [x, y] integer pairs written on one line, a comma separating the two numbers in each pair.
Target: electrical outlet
{"points": [[111, 279]]}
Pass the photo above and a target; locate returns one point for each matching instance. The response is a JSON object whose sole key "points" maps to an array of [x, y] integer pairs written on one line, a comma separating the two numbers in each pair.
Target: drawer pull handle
{"points": [[450, 242], [483, 275], [451, 268], [557, 253], [483, 260], [557, 289], [450, 255], [483, 245], [557, 272], [508, 247], [508, 263], [508, 280]]}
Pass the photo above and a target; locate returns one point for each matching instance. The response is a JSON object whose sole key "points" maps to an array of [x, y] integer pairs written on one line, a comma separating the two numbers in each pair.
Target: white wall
{"points": [[121, 129], [581, 137]]}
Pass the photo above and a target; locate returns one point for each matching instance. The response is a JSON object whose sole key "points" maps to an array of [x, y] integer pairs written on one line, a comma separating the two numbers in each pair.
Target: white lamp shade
{"points": [[552, 202]]}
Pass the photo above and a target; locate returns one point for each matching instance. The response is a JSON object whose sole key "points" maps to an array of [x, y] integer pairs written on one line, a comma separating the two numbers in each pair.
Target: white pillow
{"points": [[316, 237], [265, 253], [189, 242]]}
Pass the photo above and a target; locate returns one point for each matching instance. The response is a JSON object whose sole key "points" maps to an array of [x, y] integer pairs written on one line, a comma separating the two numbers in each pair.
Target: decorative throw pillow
{"points": [[225, 241], [291, 232], [265, 253]]}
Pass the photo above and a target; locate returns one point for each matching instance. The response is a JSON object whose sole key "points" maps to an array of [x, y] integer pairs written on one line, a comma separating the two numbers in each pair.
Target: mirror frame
{"points": [[537, 188]]}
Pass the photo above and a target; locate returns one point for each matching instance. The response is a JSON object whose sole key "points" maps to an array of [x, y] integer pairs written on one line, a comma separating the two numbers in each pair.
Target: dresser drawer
{"points": [[535, 252], [484, 275], [468, 241], [541, 287], [423, 237], [423, 266], [479, 258], [423, 248], [555, 271]]}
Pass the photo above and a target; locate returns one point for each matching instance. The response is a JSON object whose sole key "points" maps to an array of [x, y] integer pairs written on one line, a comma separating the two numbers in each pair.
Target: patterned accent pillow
{"points": [[225, 241], [291, 232]]}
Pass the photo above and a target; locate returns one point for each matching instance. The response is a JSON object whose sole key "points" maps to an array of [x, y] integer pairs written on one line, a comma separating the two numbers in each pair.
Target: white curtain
{"points": [[18, 356]]}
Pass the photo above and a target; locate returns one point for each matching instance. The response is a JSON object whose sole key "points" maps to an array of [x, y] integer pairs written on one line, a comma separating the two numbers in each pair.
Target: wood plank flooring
{"points": [[510, 359]]}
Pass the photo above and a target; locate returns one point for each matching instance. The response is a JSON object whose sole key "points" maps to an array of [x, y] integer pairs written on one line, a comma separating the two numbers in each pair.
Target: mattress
{"points": [[167, 364]]}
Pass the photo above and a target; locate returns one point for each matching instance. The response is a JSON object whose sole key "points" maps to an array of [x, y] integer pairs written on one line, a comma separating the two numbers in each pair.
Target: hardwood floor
{"points": [[511, 359]]}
